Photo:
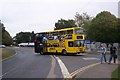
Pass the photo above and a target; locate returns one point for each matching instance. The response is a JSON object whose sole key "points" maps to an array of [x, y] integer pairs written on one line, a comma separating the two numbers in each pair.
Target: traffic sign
{"points": [[87, 42]]}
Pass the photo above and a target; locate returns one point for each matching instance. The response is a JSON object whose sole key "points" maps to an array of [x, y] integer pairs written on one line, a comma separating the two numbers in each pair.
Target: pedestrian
{"points": [[112, 54], [102, 53]]}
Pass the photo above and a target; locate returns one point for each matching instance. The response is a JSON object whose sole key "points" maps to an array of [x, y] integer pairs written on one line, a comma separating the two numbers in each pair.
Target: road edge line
{"points": [[63, 68]]}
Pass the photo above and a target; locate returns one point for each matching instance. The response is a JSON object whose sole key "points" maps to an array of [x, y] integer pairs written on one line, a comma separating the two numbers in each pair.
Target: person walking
{"points": [[112, 54], [102, 53]]}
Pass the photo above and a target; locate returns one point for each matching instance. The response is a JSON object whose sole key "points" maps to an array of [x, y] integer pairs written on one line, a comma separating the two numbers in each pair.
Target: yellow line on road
{"points": [[73, 74]]}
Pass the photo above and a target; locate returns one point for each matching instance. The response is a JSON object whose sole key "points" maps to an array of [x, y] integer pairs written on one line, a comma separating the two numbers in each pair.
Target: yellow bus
{"points": [[65, 41]]}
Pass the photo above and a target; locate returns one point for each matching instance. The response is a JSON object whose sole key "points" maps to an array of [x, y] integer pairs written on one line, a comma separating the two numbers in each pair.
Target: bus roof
{"points": [[60, 30]]}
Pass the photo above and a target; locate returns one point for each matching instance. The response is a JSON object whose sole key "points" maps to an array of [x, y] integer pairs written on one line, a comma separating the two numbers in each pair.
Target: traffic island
{"points": [[6, 53]]}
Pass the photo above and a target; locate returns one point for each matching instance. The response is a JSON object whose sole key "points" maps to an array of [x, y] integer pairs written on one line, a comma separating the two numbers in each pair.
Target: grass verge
{"points": [[116, 74], [5, 53]]}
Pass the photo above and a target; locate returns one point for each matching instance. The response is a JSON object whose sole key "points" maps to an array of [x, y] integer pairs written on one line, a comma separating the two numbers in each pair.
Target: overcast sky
{"points": [[41, 15]]}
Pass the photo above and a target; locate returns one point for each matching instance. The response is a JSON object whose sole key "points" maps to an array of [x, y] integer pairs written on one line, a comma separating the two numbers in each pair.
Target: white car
{"points": [[2, 46]]}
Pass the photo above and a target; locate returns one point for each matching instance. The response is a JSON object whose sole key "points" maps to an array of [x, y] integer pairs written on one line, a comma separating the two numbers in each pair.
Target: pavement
{"points": [[99, 71], [103, 70]]}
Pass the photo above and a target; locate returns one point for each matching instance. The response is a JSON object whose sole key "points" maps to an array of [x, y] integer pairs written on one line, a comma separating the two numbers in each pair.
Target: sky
{"points": [[41, 15]]}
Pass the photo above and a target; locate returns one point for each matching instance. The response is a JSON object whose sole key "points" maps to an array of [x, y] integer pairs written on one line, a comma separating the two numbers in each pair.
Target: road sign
{"points": [[87, 42]]}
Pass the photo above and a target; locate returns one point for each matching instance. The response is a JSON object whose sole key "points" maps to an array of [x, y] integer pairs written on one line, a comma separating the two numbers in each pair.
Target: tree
{"points": [[6, 38], [0, 33], [24, 37], [103, 28], [61, 24], [82, 20], [118, 30]]}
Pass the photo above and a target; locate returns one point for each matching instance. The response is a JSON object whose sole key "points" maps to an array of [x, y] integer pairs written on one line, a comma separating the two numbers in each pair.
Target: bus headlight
{"points": [[40, 44]]}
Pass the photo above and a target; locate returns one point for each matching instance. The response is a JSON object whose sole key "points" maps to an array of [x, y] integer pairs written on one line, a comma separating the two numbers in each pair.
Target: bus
{"points": [[65, 41]]}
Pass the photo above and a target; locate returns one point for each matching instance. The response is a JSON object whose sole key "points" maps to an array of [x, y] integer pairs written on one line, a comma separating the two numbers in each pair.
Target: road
{"points": [[27, 64]]}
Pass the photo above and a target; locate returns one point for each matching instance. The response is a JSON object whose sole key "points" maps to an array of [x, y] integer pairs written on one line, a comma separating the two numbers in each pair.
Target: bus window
{"points": [[62, 32], [50, 36], [78, 31], [78, 43], [69, 37], [38, 37], [70, 43], [79, 37], [56, 45], [46, 35], [69, 31], [55, 33]]}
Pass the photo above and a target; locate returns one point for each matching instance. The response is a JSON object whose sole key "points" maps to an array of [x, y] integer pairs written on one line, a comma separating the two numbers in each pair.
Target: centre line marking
{"points": [[63, 68]]}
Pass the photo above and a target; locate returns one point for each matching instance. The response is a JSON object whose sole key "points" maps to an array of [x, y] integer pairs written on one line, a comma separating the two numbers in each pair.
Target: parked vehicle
{"points": [[26, 45], [2, 46]]}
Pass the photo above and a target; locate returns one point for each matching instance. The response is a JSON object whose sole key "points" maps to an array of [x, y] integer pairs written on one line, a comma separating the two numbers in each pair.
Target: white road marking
{"points": [[91, 58], [51, 73], [7, 72], [63, 68]]}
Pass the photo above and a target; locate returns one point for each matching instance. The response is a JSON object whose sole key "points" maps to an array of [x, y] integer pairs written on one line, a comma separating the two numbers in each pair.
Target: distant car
{"points": [[26, 45], [2, 46]]}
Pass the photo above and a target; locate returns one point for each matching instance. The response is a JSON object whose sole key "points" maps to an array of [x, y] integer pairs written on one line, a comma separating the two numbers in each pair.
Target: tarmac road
{"points": [[27, 64]]}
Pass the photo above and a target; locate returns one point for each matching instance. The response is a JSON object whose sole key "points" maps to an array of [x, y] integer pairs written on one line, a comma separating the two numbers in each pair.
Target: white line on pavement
{"points": [[63, 68]]}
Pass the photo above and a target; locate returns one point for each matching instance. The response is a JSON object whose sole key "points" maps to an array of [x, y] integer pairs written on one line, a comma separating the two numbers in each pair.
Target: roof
{"points": [[60, 30]]}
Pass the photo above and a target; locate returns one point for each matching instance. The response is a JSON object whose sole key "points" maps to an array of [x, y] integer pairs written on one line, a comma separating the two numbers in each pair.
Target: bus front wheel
{"points": [[64, 52], [41, 53]]}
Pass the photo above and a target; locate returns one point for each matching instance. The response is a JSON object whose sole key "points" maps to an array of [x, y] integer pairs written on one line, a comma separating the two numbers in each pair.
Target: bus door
{"points": [[79, 44], [45, 46], [70, 46]]}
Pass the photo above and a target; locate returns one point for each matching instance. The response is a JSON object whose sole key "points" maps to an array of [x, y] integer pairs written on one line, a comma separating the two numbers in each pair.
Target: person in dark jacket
{"points": [[112, 54]]}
